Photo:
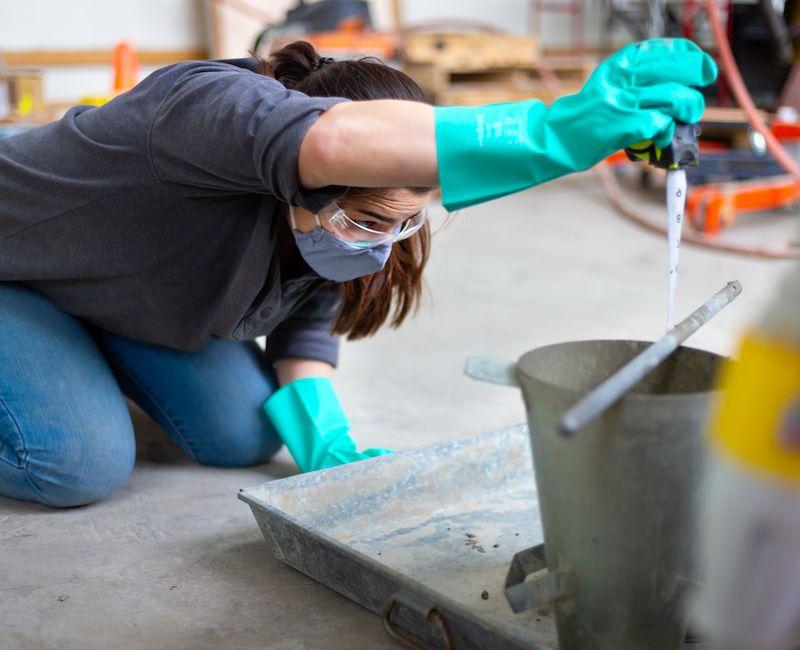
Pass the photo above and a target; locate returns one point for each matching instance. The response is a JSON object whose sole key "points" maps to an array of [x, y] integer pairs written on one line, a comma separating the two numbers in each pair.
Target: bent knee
{"points": [[78, 491], [64, 481]]}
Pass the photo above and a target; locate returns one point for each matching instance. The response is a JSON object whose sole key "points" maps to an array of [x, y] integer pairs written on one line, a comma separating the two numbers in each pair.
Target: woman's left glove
{"points": [[309, 418], [485, 152]]}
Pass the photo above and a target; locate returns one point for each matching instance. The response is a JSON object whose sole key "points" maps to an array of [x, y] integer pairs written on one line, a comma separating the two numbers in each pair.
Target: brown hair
{"points": [[391, 294]]}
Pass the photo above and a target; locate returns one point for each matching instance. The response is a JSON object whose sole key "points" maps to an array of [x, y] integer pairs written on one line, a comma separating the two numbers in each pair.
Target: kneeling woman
{"points": [[144, 244]]}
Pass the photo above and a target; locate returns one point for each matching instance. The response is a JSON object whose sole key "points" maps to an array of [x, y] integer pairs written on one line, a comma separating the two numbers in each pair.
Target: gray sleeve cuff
{"points": [[306, 334], [303, 340]]}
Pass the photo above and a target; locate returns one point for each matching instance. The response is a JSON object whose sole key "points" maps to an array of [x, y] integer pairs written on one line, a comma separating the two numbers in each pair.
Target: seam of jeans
{"points": [[25, 464], [155, 401], [24, 457]]}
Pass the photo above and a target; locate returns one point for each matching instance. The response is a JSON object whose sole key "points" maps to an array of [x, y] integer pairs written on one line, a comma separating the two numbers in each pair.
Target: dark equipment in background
{"points": [[323, 16], [763, 50], [761, 35]]}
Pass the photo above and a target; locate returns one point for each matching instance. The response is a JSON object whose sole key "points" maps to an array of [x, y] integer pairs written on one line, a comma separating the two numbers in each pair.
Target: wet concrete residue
{"points": [[472, 542]]}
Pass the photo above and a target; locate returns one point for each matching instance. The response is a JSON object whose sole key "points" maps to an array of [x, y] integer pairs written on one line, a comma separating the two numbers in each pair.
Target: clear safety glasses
{"points": [[358, 235]]}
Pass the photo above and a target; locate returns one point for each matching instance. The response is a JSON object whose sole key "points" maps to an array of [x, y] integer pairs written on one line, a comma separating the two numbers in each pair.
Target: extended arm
{"points": [[484, 152]]}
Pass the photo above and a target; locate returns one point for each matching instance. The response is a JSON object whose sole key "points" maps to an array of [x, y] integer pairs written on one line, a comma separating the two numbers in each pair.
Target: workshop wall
{"points": [[91, 25], [180, 25]]}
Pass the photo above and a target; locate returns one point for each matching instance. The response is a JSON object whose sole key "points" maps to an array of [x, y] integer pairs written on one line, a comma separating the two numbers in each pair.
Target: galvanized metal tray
{"points": [[422, 537]]}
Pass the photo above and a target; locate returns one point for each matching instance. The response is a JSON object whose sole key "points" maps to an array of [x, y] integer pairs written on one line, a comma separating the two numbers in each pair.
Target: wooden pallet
{"points": [[446, 85], [462, 50]]}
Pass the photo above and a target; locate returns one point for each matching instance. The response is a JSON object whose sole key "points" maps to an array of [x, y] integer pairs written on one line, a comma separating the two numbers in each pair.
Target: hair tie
{"points": [[321, 62]]}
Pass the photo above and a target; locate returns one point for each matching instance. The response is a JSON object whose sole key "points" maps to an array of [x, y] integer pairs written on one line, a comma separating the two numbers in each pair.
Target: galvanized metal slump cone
{"points": [[617, 504]]}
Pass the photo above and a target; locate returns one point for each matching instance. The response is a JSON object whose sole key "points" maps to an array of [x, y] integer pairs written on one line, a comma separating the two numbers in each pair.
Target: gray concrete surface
{"points": [[174, 560]]}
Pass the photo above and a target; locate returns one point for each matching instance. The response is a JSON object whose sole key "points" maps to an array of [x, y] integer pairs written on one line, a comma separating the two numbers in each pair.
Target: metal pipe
{"points": [[593, 404]]}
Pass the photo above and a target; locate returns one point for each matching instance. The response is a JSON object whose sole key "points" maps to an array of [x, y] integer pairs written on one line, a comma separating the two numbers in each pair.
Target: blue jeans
{"points": [[66, 437]]}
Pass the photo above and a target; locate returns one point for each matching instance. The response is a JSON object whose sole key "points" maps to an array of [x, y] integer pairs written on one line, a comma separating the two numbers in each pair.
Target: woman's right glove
{"points": [[485, 152]]}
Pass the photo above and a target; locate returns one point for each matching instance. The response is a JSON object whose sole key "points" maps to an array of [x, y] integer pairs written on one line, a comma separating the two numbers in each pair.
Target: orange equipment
{"points": [[126, 67], [350, 38], [712, 207]]}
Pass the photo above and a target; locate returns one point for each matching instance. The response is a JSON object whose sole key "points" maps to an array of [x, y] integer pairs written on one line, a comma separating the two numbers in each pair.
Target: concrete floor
{"points": [[174, 560]]}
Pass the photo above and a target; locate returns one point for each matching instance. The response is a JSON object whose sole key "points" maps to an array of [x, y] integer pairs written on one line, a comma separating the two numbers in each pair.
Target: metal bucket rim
{"points": [[630, 396]]}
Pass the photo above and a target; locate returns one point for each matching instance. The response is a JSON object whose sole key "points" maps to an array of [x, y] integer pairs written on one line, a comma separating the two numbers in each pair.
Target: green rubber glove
{"points": [[485, 152], [313, 426]]}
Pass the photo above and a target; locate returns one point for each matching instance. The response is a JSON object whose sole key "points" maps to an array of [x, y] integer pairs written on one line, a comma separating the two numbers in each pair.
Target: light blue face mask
{"points": [[332, 258]]}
